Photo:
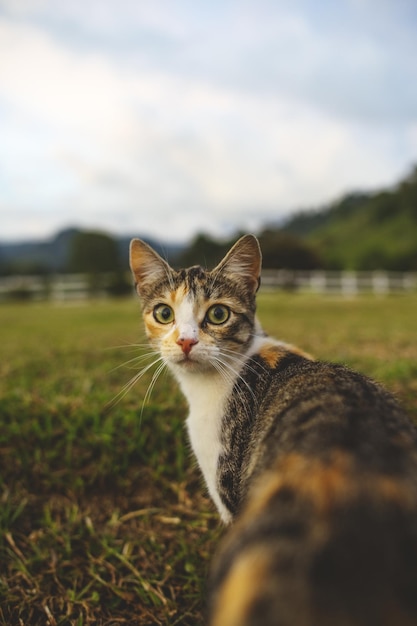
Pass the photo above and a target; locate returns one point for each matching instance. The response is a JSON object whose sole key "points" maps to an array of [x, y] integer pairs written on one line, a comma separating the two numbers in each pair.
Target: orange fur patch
{"points": [[242, 586], [272, 353], [326, 484]]}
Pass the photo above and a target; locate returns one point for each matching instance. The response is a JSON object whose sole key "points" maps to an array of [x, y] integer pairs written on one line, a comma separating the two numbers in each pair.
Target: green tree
{"points": [[94, 253], [281, 250], [203, 250]]}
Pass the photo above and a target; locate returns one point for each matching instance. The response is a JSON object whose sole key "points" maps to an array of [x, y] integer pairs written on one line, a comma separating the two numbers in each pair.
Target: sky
{"points": [[167, 118]]}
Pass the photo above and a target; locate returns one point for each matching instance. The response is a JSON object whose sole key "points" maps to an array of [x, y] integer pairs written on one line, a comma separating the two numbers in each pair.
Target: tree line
{"points": [[361, 231]]}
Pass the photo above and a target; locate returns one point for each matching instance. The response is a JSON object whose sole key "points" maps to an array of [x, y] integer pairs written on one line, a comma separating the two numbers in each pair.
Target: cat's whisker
{"points": [[212, 279], [128, 386], [168, 274], [238, 377], [131, 346], [233, 374], [136, 359], [225, 372], [232, 354], [229, 355], [151, 385]]}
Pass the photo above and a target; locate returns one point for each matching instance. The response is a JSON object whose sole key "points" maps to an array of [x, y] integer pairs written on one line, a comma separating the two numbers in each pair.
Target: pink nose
{"points": [[186, 344]]}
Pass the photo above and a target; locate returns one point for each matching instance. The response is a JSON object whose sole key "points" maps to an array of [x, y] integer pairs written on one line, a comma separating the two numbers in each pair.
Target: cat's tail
{"points": [[320, 544]]}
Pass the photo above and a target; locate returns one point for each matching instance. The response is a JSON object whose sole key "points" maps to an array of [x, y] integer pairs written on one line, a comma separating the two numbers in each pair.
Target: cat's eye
{"points": [[218, 314], [163, 314]]}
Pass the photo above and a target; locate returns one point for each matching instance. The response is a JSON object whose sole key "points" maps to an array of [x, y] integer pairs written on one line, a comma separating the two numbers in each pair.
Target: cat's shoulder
{"points": [[271, 352]]}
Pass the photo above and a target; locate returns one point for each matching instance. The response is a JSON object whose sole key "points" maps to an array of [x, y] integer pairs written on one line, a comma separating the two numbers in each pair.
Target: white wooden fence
{"points": [[57, 288], [70, 287], [341, 282]]}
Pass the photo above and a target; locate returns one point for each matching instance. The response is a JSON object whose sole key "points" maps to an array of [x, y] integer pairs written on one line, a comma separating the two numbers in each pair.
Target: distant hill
{"points": [[360, 231], [53, 255], [364, 230], [37, 256]]}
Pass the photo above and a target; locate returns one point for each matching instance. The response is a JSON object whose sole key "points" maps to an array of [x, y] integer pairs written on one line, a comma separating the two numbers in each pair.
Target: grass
{"points": [[103, 518]]}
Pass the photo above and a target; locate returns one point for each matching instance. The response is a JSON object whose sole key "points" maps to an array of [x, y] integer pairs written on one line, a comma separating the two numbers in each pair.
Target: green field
{"points": [[103, 518]]}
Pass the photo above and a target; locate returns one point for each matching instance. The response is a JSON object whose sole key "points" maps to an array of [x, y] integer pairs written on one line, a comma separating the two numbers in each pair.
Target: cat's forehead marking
{"points": [[198, 284], [185, 294], [194, 279], [188, 301], [177, 294]]}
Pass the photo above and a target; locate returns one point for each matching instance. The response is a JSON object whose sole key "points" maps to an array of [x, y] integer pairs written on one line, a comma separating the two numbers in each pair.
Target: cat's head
{"points": [[198, 319]]}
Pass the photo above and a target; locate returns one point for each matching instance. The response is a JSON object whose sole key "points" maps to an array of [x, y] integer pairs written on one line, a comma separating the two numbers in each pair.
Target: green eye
{"points": [[218, 314], [163, 314]]}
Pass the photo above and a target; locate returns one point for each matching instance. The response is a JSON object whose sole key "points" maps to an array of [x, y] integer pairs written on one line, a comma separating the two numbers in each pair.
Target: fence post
{"points": [[349, 283]]}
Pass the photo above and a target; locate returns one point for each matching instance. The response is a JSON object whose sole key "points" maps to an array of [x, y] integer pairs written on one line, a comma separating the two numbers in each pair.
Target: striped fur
{"points": [[315, 465]]}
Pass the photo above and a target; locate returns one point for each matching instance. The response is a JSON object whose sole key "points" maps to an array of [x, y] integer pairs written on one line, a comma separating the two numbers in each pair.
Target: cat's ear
{"points": [[243, 261], [147, 266]]}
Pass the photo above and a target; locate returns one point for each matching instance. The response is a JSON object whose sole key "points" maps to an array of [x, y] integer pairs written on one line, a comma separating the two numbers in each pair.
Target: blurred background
{"points": [[186, 123], [189, 122]]}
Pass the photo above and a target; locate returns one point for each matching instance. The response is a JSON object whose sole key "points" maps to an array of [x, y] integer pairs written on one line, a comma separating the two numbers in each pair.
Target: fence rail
{"points": [[59, 287], [343, 282], [70, 287]]}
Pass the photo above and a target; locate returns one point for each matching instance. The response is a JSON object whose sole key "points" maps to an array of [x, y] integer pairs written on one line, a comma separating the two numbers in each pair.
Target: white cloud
{"points": [[202, 141], [57, 87]]}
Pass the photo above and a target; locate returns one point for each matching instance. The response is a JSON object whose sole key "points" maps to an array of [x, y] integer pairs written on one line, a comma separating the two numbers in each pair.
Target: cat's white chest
{"points": [[207, 395]]}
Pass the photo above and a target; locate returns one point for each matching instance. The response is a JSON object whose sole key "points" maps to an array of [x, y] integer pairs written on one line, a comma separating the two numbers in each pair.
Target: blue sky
{"points": [[171, 117]]}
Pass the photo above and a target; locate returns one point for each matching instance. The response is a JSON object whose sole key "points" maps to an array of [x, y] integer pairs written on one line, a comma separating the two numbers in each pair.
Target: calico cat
{"points": [[315, 465]]}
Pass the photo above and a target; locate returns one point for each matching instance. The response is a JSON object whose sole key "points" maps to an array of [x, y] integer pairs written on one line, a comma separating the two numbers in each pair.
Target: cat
{"points": [[313, 466]]}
